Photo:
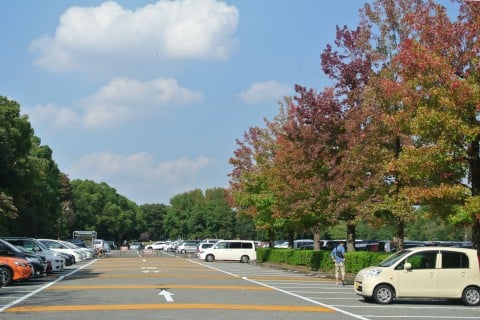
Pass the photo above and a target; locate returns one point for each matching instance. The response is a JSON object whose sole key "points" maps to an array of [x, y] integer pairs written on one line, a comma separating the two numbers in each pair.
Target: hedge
{"points": [[319, 260]]}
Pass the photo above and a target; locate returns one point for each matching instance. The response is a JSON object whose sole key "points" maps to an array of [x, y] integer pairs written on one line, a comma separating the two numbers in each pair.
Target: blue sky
{"points": [[149, 96]]}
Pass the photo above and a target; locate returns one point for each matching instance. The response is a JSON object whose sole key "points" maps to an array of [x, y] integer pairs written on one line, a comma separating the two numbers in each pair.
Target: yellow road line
{"points": [[116, 307], [156, 275], [148, 268], [152, 286]]}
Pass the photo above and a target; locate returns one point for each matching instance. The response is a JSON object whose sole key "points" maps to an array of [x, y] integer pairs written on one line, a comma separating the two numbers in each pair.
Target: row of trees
{"points": [[37, 199], [396, 137]]}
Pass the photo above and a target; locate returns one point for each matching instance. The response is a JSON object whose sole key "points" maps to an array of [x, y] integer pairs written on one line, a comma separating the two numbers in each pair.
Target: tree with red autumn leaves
{"points": [[306, 152], [399, 130]]}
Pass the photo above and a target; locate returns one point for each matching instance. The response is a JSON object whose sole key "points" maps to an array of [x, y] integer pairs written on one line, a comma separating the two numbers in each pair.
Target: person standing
{"points": [[338, 257]]}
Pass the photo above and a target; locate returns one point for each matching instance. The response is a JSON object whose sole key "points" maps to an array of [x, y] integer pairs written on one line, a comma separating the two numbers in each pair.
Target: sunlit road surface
{"points": [[164, 286], [161, 287]]}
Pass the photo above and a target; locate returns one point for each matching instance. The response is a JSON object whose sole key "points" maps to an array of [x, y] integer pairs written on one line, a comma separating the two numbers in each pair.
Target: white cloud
{"points": [[268, 91], [139, 173], [88, 37], [119, 101], [124, 99], [54, 116]]}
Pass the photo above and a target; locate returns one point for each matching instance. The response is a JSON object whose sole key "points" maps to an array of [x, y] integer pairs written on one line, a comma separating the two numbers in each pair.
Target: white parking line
{"points": [[32, 293], [286, 292]]}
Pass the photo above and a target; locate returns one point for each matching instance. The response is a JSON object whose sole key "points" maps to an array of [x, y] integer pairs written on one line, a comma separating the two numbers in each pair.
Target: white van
{"points": [[423, 272], [241, 250]]}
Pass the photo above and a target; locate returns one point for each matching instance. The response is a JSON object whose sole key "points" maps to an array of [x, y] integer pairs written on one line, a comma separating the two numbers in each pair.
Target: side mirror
{"points": [[407, 266]]}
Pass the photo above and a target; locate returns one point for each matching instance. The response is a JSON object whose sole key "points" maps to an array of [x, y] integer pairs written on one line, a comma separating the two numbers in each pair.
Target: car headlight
{"points": [[21, 264], [373, 273]]}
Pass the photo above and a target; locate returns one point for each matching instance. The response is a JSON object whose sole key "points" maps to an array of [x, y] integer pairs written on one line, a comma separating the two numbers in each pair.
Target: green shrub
{"points": [[319, 260]]}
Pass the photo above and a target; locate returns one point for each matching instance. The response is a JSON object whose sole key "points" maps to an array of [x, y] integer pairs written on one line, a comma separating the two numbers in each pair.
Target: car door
{"points": [[220, 250], [453, 274], [422, 279]]}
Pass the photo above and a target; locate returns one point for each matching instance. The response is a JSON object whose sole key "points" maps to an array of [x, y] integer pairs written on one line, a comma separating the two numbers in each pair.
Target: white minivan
{"points": [[423, 272], [239, 250]]}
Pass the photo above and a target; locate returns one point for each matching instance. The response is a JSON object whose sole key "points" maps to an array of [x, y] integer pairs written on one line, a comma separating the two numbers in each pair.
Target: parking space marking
{"points": [[170, 286], [249, 307], [13, 303], [252, 280]]}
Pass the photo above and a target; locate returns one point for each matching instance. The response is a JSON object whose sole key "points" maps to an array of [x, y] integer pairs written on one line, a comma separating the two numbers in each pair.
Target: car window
{"points": [[4, 250], [54, 245], [235, 245], [454, 260], [423, 260], [222, 245], [247, 245]]}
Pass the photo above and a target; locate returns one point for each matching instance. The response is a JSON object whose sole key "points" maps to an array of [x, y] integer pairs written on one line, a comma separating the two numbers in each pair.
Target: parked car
{"points": [[210, 240], [89, 252], [99, 245], [77, 242], [38, 263], [3, 276], [15, 269], [202, 246], [281, 244], [157, 245], [303, 244], [238, 250], [57, 245], [31, 245], [423, 272], [112, 244], [136, 245], [188, 246]]}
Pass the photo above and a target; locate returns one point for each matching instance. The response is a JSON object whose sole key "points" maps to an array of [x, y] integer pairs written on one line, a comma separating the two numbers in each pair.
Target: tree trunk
{"points": [[351, 237], [474, 163], [399, 239], [316, 237], [476, 234]]}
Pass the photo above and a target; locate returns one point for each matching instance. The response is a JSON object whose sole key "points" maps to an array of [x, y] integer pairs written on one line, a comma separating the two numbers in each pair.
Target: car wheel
{"points": [[209, 258], [8, 275], [383, 294], [471, 296], [244, 259]]}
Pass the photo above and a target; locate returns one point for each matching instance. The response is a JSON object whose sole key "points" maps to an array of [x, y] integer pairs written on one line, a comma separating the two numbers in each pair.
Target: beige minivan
{"points": [[423, 272]]}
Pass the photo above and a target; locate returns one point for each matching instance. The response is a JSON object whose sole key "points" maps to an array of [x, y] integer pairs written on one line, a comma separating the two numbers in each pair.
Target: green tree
{"points": [[220, 220], [183, 215], [29, 178], [15, 144], [154, 220], [99, 207]]}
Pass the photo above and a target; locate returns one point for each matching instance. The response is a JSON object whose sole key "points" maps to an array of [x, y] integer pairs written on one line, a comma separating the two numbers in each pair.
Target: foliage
{"points": [[319, 260], [154, 215], [99, 207], [195, 215], [251, 180]]}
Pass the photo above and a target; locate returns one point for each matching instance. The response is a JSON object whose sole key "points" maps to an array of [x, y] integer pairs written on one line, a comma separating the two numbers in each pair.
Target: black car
{"points": [[69, 258], [39, 263]]}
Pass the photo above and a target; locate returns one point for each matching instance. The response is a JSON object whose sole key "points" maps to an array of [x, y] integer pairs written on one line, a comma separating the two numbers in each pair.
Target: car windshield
{"points": [[394, 258]]}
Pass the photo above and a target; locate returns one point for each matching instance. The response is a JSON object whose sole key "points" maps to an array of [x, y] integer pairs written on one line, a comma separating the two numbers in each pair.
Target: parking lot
{"points": [[165, 286]]}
